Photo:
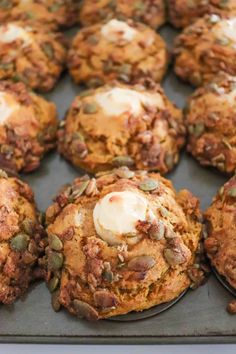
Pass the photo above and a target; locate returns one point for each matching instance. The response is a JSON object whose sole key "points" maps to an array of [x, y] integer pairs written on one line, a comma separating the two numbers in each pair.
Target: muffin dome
{"points": [[28, 126], [206, 48], [126, 51], [119, 125], [147, 11], [184, 12], [125, 241], [212, 124], [31, 54], [51, 13], [22, 239], [220, 243]]}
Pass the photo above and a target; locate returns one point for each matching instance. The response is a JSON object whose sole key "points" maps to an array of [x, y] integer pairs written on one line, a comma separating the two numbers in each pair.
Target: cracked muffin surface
{"points": [[124, 241], [211, 124], [28, 127], [32, 55], [205, 48], [54, 14], [22, 239], [151, 12], [184, 12], [126, 51], [220, 243], [119, 125]]}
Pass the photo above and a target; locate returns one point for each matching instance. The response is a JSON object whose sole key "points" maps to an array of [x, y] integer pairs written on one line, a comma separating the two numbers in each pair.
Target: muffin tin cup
{"points": [[224, 282]]}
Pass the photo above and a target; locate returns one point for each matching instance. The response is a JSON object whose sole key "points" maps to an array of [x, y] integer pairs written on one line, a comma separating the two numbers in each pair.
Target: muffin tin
{"points": [[198, 317]]}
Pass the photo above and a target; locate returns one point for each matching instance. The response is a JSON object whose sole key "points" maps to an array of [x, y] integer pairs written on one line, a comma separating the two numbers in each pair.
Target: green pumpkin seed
{"points": [[55, 261], [55, 243], [5, 4], [28, 226], [3, 174], [125, 69], [77, 136], [95, 82], [55, 301], [79, 189], [90, 108], [198, 129], [139, 5], [53, 284], [42, 218], [122, 161], [223, 41], [149, 185], [55, 7], [19, 242], [85, 93], [232, 192], [124, 172], [141, 263], [107, 275], [48, 50]]}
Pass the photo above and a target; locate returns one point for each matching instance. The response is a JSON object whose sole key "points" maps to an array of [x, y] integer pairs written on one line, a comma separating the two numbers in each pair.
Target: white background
{"points": [[112, 349]]}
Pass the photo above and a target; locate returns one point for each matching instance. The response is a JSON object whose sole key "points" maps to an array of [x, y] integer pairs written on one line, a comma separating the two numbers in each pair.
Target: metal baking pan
{"points": [[199, 316]]}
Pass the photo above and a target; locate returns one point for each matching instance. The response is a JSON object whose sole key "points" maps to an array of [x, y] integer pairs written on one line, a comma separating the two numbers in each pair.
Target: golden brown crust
{"points": [[221, 226], [202, 50], [96, 141], [22, 239], [29, 132], [184, 12], [38, 63], [54, 14], [211, 124], [94, 59], [94, 279], [151, 12]]}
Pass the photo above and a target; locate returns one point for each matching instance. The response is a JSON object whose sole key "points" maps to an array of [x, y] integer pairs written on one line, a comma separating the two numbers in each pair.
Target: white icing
{"points": [[116, 30], [226, 29], [7, 107], [121, 100], [117, 214], [11, 32]]}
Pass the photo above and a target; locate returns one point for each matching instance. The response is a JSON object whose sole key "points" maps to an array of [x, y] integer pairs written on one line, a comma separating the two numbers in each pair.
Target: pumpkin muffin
{"points": [[121, 242], [28, 126], [32, 55], [54, 14], [22, 239], [211, 124], [119, 125], [126, 51], [184, 12], [151, 12], [206, 48], [220, 243]]}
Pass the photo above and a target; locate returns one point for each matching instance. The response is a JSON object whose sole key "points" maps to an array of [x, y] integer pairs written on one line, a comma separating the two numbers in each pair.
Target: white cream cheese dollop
{"points": [[117, 213], [226, 29], [119, 100], [116, 30], [7, 107], [11, 32]]}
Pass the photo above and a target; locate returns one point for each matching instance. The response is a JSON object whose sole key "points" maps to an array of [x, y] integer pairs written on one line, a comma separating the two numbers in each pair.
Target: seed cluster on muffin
{"points": [[119, 125], [125, 51], [121, 242], [22, 239], [150, 12]]}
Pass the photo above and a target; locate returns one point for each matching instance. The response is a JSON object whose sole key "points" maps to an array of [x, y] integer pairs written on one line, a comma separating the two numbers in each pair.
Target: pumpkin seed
{"points": [[53, 284], [148, 185], [55, 261], [48, 50], [232, 192], [107, 275], [55, 7], [86, 93], [157, 231], [198, 129], [124, 172], [55, 301], [84, 310], [55, 243], [95, 82], [90, 108], [5, 4], [139, 5], [141, 263], [104, 299], [93, 39], [28, 226], [3, 174], [79, 189], [19, 242], [122, 161]]}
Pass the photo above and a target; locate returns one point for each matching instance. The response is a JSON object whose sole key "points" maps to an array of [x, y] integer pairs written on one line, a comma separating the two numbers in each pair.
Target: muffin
{"points": [[184, 12], [220, 243], [119, 125], [121, 242], [32, 55], [205, 48], [51, 13], [211, 124], [151, 12], [28, 127], [22, 239], [126, 51]]}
